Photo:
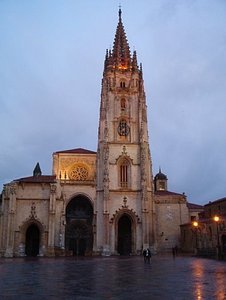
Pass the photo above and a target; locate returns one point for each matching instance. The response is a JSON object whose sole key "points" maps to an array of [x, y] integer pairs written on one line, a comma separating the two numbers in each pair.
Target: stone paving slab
{"points": [[113, 278]]}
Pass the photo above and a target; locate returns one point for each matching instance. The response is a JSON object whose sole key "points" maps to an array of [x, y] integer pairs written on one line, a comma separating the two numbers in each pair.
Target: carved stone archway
{"points": [[125, 229], [79, 226], [33, 239], [124, 235]]}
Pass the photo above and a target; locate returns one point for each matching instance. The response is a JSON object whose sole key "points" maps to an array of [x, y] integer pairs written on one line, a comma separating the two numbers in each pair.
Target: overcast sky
{"points": [[51, 65]]}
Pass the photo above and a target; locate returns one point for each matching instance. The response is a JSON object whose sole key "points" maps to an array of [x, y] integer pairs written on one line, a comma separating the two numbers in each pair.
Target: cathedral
{"points": [[98, 203]]}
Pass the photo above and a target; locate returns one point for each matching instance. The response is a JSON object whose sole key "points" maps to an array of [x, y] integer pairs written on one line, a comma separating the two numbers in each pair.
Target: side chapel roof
{"points": [[37, 177]]}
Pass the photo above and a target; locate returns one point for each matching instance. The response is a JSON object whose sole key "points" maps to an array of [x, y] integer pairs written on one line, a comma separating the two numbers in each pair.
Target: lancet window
{"points": [[122, 84], [124, 173]]}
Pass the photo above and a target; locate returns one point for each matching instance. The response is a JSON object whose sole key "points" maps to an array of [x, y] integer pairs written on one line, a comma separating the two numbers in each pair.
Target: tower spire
{"points": [[121, 51], [37, 170], [123, 140]]}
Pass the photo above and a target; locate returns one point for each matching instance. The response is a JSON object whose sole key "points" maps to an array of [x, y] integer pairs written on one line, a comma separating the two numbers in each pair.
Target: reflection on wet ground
{"points": [[113, 278]]}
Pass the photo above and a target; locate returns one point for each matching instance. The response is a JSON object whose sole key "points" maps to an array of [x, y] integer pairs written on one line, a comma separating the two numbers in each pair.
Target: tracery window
{"points": [[79, 173]]}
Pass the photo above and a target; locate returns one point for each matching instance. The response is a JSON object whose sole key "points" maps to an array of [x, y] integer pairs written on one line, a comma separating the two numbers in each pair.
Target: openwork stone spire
{"points": [[120, 57]]}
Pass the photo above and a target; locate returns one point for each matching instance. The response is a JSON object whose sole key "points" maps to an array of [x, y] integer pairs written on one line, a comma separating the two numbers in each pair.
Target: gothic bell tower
{"points": [[124, 197]]}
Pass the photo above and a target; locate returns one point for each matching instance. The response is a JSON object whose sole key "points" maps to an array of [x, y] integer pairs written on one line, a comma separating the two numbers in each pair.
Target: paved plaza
{"points": [[113, 278]]}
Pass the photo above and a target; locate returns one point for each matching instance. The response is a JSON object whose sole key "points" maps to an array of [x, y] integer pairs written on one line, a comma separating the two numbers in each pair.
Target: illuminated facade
{"points": [[103, 202]]}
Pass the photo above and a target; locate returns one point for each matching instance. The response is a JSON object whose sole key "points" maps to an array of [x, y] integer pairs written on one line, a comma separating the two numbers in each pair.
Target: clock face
{"points": [[123, 128]]}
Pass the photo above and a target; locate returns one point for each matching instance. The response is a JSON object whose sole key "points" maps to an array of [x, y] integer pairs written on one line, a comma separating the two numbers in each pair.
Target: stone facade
{"points": [[171, 210], [103, 202]]}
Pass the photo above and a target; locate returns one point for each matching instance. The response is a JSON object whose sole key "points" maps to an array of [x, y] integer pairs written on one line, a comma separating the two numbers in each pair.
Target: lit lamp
{"points": [[216, 220], [196, 225]]}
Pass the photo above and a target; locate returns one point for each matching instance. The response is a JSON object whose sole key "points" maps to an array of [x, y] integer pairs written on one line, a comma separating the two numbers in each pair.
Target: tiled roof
{"points": [[37, 179], [194, 206], [77, 150], [167, 193]]}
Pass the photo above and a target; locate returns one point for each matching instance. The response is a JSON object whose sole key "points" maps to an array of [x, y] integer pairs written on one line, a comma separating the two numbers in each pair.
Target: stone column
{"points": [[95, 232], [10, 222], [52, 213], [62, 231], [145, 217], [5, 198], [106, 245]]}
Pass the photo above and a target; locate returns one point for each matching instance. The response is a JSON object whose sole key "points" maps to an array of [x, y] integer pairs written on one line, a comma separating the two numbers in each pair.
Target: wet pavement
{"points": [[113, 278]]}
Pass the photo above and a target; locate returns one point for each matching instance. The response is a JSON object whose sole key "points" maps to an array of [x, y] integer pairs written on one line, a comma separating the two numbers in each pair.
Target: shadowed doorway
{"points": [[79, 230], [124, 235], [32, 241], [223, 238]]}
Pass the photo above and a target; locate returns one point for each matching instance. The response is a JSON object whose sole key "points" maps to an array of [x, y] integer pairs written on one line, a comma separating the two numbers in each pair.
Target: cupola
{"points": [[160, 181]]}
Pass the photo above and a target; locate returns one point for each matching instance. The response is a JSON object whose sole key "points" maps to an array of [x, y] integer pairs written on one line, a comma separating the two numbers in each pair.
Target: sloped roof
{"points": [[216, 201], [77, 150], [167, 193], [194, 206], [37, 179]]}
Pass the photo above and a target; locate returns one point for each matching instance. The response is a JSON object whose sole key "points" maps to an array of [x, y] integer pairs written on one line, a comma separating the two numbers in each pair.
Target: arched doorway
{"points": [[79, 230], [124, 235], [32, 240]]}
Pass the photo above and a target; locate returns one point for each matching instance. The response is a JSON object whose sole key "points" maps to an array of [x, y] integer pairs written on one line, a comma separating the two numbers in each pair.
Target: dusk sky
{"points": [[51, 65]]}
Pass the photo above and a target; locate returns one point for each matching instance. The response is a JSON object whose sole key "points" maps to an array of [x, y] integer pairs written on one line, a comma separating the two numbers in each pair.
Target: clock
{"points": [[123, 128]]}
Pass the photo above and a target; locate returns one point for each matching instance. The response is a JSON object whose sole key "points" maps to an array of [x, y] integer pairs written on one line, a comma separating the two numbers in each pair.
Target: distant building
{"points": [[217, 207], [103, 202], [194, 211], [207, 237]]}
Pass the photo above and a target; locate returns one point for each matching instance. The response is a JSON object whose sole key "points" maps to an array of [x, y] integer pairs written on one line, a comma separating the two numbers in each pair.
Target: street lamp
{"points": [[216, 220], [196, 225]]}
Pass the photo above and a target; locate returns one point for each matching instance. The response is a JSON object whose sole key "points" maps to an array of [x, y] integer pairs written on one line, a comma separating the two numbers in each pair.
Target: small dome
{"points": [[160, 176]]}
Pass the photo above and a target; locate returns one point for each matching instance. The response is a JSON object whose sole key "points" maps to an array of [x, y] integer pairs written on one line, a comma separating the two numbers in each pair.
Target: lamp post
{"points": [[195, 225], [216, 220]]}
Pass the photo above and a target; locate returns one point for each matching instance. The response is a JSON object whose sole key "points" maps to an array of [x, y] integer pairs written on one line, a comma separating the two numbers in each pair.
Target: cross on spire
{"points": [[119, 11]]}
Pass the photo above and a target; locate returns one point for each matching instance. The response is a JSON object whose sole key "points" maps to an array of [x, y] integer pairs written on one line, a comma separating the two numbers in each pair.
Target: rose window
{"points": [[79, 173]]}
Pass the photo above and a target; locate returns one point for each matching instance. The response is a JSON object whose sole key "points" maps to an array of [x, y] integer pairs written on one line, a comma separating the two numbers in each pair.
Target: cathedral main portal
{"points": [[79, 230], [124, 235]]}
